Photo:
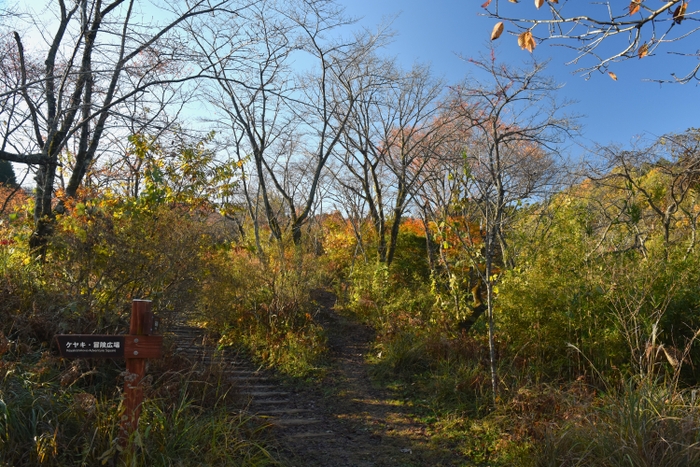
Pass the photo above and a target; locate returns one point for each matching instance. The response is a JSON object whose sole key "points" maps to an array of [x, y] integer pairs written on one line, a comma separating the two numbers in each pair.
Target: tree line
{"points": [[296, 103]]}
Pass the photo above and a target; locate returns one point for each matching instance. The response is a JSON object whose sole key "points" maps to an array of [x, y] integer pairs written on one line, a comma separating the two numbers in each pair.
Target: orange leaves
{"points": [[679, 14], [414, 226], [643, 50], [612, 75], [634, 6], [497, 31], [526, 41], [16, 198]]}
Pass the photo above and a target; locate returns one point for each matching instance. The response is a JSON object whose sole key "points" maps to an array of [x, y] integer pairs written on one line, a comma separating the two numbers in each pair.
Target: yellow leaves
{"points": [[539, 3], [643, 50], [612, 75], [497, 31], [526, 41], [634, 6], [679, 14]]}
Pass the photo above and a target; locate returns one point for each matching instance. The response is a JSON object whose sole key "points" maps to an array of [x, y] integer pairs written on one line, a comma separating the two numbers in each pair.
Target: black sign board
{"points": [[90, 346]]}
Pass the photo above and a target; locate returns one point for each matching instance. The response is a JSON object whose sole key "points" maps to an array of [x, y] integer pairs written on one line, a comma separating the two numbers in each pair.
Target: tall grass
{"points": [[55, 413], [641, 424]]}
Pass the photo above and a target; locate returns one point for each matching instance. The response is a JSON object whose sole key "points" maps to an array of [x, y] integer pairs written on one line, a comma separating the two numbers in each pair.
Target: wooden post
{"points": [[136, 347], [141, 319]]}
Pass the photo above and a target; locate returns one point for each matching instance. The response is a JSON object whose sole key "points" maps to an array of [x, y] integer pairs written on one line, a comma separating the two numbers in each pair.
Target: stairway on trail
{"points": [[263, 397], [343, 421]]}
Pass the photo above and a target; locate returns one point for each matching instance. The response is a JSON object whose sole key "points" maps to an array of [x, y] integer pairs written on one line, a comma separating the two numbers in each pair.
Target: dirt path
{"points": [[359, 424], [343, 421]]}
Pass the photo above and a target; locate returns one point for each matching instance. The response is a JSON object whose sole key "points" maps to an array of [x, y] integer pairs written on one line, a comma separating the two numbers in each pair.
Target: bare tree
{"points": [[362, 174], [515, 128], [287, 117], [602, 33], [249, 60], [388, 142], [436, 198], [89, 62]]}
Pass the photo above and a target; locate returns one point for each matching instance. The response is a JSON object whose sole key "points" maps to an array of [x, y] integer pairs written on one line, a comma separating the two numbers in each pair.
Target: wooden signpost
{"points": [[137, 346]]}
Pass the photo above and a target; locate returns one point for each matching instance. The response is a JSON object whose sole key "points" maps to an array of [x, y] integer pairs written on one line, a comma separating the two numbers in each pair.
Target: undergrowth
{"points": [[58, 413], [639, 424], [545, 414], [267, 310]]}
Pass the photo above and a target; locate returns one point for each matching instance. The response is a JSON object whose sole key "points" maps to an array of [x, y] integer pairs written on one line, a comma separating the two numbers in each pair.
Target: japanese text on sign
{"points": [[91, 346]]}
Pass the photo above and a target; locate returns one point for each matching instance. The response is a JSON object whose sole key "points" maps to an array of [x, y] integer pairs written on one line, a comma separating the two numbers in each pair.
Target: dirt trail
{"points": [[343, 421], [364, 425]]}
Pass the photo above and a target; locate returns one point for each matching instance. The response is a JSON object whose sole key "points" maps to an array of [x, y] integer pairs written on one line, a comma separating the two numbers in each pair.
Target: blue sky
{"points": [[438, 31]]}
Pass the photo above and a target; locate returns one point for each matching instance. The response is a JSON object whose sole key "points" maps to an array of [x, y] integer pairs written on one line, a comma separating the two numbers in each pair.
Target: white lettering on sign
{"points": [[86, 346]]}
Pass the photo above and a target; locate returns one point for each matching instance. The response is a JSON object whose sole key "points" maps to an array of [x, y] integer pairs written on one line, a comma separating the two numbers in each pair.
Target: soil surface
{"points": [[355, 422]]}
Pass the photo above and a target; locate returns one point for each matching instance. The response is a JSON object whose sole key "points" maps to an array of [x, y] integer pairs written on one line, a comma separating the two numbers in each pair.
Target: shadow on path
{"points": [[358, 424]]}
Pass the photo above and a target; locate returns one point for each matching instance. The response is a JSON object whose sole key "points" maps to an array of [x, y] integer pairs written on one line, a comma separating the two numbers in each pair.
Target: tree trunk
{"points": [[492, 346], [429, 244], [394, 237]]}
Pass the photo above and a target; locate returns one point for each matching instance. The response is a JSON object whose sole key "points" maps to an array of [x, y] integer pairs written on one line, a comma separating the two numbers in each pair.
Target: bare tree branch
{"points": [[602, 34]]}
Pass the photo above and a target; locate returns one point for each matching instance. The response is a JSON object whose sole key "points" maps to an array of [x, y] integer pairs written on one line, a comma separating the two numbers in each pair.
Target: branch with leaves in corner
{"points": [[602, 34]]}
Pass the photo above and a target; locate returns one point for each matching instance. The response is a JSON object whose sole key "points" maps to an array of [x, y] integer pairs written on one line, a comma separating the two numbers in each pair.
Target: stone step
{"points": [[282, 412], [270, 401], [248, 380], [249, 373], [258, 387], [312, 434], [266, 393], [266, 401], [282, 422]]}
